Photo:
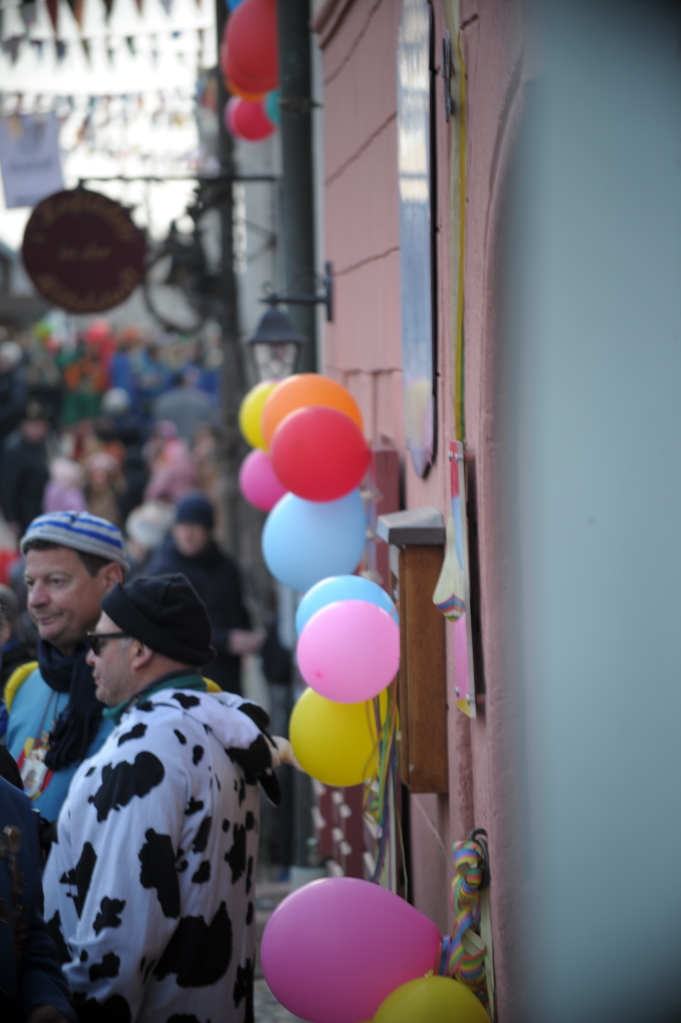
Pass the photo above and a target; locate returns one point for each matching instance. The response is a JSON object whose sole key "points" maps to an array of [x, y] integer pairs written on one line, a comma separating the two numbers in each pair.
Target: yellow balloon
{"points": [[334, 742], [431, 1000], [250, 413]]}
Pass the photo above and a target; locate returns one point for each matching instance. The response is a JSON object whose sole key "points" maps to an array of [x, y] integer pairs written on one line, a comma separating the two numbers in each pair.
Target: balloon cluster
{"points": [[309, 457], [341, 950], [249, 62]]}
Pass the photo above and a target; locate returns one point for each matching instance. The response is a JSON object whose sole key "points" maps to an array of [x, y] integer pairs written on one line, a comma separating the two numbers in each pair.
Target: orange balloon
{"points": [[252, 97], [301, 391]]}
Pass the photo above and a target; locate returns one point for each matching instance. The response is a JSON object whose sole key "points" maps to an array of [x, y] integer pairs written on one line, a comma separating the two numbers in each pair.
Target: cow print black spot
{"points": [[201, 841], [225, 825], [250, 820], [186, 700], [193, 806], [243, 986], [197, 754], [90, 770], [198, 953], [113, 1010], [84, 956], [256, 713], [108, 916], [202, 874], [249, 914], [136, 732], [109, 967], [158, 871], [249, 875], [180, 736], [236, 857], [125, 780], [80, 876]]}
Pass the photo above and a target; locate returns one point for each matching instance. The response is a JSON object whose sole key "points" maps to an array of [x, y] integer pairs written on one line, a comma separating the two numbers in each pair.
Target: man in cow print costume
{"points": [[150, 887]]}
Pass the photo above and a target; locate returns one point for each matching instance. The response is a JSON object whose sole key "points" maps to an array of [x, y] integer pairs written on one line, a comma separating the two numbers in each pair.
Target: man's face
{"points": [[115, 681], [63, 598], [190, 538], [35, 430]]}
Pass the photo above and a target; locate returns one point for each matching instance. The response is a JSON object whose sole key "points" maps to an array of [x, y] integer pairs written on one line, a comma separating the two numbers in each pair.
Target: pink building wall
{"points": [[363, 350]]}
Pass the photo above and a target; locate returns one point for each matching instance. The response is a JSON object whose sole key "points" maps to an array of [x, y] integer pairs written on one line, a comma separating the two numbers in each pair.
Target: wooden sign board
{"points": [[83, 252]]}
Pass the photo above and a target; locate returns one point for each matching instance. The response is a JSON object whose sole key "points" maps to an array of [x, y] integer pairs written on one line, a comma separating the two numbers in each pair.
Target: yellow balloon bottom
{"points": [[431, 1000], [336, 743]]}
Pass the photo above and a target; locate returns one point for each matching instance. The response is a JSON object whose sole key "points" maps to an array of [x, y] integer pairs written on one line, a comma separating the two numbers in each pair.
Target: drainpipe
{"points": [[297, 189], [233, 380]]}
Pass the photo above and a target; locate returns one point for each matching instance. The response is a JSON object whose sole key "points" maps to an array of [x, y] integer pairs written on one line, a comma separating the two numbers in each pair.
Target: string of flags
{"points": [[83, 48]]}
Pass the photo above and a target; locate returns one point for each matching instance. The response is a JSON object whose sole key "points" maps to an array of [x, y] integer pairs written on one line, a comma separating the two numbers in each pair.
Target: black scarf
{"points": [[77, 725]]}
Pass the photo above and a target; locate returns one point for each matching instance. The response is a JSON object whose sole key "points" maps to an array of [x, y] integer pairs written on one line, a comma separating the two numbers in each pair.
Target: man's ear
{"points": [[110, 575], [141, 655]]}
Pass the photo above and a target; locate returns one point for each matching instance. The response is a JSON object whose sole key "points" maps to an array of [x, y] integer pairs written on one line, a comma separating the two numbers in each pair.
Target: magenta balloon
{"points": [[349, 651], [257, 481], [335, 949]]}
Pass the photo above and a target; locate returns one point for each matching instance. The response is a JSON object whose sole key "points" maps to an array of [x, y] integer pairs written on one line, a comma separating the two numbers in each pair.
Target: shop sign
{"points": [[29, 158], [83, 252]]}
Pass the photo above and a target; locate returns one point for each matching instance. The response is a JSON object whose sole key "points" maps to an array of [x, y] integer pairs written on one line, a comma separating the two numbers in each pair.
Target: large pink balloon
{"points": [[335, 949], [349, 651], [257, 481]]}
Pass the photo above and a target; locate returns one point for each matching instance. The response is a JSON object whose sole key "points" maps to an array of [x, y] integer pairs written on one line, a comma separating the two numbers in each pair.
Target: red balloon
{"points": [[248, 120], [319, 453], [252, 59]]}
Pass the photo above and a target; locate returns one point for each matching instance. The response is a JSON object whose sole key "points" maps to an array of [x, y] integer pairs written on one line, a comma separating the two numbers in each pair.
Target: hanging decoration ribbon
{"points": [[463, 953]]}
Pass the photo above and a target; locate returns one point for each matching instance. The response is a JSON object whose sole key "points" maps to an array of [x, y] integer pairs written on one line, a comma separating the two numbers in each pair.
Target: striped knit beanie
{"points": [[81, 532]]}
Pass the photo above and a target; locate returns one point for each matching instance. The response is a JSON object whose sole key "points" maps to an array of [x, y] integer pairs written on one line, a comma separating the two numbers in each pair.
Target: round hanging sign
{"points": [[83, 252]]}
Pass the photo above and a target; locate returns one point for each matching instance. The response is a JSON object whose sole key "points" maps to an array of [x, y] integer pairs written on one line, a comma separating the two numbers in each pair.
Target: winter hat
{"points": [[148, 524], [66, 473], [197, 510], [166, 614], [81, 532]]}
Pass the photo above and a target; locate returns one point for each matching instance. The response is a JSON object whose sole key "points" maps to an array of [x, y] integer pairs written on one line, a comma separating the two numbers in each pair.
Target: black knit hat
{"points": [[166, 614], [197, 510]]}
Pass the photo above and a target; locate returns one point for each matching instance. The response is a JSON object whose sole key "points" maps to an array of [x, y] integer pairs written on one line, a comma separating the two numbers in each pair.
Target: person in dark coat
{"points": [[13, 390], [191, 550], [32, 987], [25, 472]]}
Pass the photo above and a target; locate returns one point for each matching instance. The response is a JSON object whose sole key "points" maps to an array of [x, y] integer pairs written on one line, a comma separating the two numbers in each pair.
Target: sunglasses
{"points": [[96, 640]]}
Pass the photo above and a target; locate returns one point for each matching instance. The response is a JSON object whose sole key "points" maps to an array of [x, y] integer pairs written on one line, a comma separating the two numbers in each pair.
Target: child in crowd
{"points": [[64, 492]]}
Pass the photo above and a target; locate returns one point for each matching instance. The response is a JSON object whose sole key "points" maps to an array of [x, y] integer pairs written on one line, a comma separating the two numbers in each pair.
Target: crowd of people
{"points": [[123, 626]]}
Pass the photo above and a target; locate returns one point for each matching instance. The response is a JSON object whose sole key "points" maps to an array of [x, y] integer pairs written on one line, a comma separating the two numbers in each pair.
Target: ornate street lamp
{"points": [[275, 346]]}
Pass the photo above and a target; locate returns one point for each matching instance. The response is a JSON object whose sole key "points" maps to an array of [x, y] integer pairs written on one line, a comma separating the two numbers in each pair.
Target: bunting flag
{"points": [[103, 47]]}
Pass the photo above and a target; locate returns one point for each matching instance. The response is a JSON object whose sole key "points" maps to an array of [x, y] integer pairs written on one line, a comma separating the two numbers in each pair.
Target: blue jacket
{"points": [[29, 974], [33, 710]]}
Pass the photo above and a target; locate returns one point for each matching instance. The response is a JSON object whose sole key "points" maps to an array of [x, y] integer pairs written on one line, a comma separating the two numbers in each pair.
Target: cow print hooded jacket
{"points": [[149, 890]]}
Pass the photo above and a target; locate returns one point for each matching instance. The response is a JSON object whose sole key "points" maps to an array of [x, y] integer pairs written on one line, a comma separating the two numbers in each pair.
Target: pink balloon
{"points": [[257, 481], [230, 111], [335, 949], [349, 651]]}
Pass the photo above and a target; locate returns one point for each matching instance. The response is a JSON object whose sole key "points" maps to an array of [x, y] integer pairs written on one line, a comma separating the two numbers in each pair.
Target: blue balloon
{"points": [[303, 542], [342, 587], [233, 4], [272, 107]]}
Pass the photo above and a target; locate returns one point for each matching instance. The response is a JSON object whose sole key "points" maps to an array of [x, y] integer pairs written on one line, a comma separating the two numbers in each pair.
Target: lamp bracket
{"points": [[273, 298]]}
